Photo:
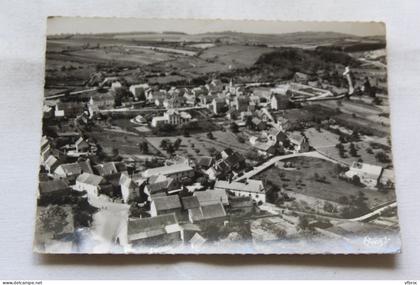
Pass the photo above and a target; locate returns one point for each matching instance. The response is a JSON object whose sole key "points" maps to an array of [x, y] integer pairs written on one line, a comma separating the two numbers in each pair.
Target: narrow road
{"points": [[60, 95], [275, 159], [374, 213]]}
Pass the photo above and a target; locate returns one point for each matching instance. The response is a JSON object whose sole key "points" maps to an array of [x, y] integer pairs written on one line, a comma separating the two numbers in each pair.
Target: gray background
{"points": [[22, 44]]}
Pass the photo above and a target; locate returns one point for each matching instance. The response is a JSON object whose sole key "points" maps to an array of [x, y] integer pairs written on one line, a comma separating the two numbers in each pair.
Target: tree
{"points": [[212, 151], [210, 135], [185, 132], [144, 147], [241, 139], [355, 136], [382, 157], [356, 180], [329, 207], [170, 149], [177, 143], [377, 100], [303, 223], [353, 150], [234, 127], [164, 143], [343, 200], [248, 122], [54, 219]]}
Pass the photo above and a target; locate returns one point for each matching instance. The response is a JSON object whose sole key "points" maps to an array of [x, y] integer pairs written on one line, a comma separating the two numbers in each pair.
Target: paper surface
{"points": [[214, 136]]}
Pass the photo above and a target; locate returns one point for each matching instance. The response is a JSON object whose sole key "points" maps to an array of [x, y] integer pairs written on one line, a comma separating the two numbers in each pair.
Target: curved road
{"points": [[275, 159]]}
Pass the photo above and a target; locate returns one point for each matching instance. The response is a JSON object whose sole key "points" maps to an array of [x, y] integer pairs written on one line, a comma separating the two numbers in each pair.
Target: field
{"points": [[301, 179], [126, 143], [325, 142], [238, 56], [200, 145]]}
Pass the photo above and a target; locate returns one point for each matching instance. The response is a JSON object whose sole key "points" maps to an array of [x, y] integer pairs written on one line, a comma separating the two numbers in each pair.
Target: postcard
{"points": [[182, 136]]}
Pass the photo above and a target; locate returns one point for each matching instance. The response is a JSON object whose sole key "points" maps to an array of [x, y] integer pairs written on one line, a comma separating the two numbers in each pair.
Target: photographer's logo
{"points": [[376, 241]]}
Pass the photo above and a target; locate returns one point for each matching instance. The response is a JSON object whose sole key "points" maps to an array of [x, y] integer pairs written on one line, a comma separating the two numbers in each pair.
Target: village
{"points": [[134, 166]]}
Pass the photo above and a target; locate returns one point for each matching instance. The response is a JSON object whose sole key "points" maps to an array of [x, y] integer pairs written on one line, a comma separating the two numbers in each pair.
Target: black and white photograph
{"points": [[178, 136]]}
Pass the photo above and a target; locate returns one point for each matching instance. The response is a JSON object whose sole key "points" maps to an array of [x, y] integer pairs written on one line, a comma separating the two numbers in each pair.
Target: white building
{"points": [[138, 89], [171, 117], [369, 174], [251, 188], [176, 171], [90, 183], [129, 188]]}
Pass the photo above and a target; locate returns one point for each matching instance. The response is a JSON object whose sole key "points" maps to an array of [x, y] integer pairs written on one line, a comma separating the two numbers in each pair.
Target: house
{"points": [[300, 142], [116, 85], [159, 185], [215, 86], [52, 189], [51, 163], [241, 103], [190, 97], [207, 212], [210, 197], [72, 170], [165, 205], [154, 231], [68, 109], [251, 188], [369, 174], [101, 102], [81, 145], [300, 77], [130, 189], [90, 183], [176, 171], [174, 101], [212, 173], [283, 124], [278, 101], [190, 202], [258, 124], [205, 162], [228, 161], [171, 117], [107, 168], [138, 90]]}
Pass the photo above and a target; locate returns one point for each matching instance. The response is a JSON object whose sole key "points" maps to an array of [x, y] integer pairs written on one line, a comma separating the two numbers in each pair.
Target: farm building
{"points": [[165, 205], [176, 171], [210, 197], [90, 183], [208, 212], [155, 231], [369, 174], [251, 188]]}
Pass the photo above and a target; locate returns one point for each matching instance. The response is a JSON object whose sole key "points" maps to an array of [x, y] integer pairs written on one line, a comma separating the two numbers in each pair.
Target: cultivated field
{"points": [[301, 179]]}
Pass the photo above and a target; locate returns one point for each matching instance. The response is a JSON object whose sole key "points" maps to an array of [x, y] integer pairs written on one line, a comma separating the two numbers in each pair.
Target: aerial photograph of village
{"points": [[175, 136]]}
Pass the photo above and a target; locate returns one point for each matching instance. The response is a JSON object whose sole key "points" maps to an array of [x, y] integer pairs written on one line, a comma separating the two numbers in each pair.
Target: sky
{"points": [[72, 25]]}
